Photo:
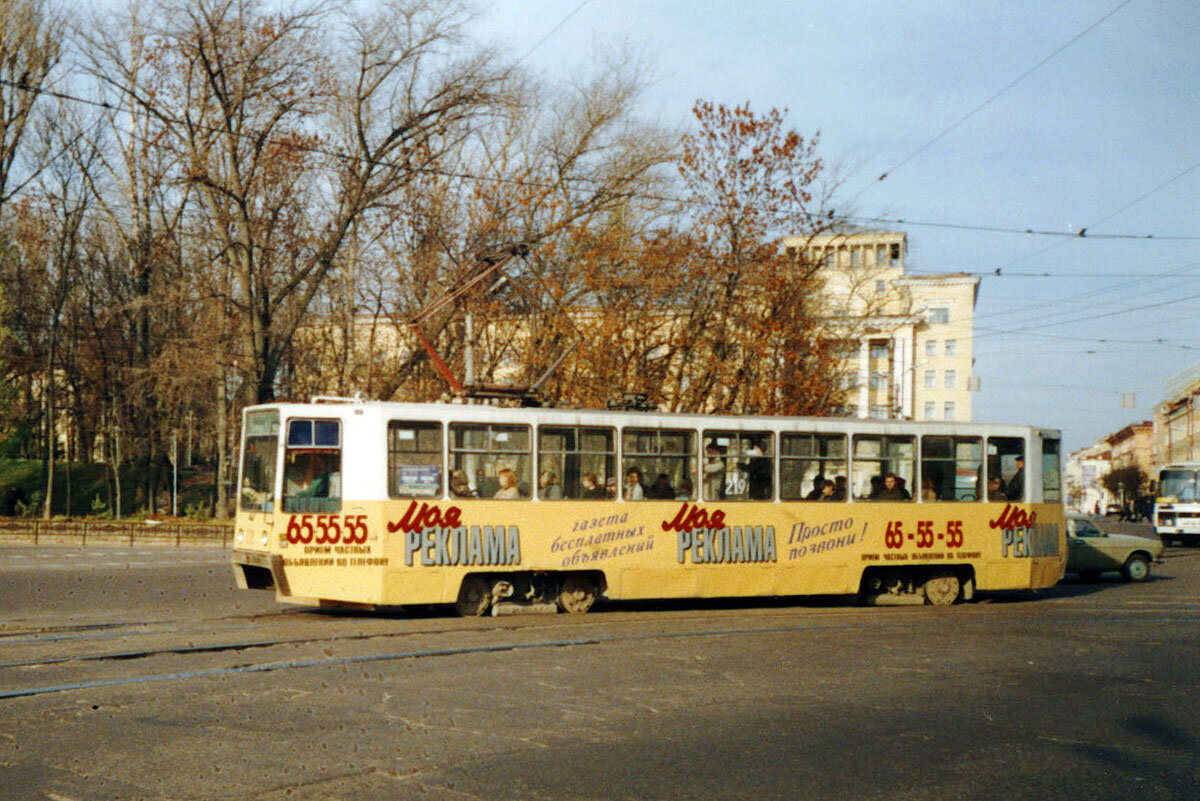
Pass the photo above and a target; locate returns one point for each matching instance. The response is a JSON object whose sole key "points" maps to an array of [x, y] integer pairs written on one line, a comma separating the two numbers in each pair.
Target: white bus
{"points": [[486, 508], [1177, 506]]}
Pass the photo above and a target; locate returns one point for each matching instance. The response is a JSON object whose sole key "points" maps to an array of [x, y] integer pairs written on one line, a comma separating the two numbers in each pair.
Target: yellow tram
{"points": [[350, 502]]}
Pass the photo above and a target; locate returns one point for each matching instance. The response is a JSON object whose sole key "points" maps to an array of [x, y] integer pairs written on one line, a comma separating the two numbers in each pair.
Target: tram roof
{"points": [[467, 412]]}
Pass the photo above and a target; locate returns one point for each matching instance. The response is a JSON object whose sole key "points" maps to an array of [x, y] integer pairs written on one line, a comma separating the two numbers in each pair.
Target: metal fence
{"points": [[19, 531]]}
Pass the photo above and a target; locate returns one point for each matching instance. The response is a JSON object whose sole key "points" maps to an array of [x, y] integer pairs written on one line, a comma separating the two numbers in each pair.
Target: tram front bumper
{"points": [[254, 570]]}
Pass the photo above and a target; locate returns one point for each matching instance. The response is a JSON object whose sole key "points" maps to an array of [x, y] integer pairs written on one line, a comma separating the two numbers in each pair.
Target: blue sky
{"points": [[1105, 122]]}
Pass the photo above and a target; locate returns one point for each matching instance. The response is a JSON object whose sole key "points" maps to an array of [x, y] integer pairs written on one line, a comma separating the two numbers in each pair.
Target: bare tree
{"points": [[31, 35]]}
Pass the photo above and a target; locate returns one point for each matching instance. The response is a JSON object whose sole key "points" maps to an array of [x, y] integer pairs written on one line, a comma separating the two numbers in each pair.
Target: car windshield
{"points": [[1178, 484]]}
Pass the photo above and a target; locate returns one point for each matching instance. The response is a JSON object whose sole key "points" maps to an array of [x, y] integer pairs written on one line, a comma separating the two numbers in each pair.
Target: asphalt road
{"points": [[150, 677]]}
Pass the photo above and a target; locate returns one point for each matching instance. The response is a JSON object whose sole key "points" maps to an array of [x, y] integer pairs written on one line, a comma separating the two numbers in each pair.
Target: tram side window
{"points": [[951, 468], [882, 468], [575, 462], [812, 467], [312, 474], [738, 466], [490, 461], [414, 459], [258, 461], [1006, 468], [1051, 476], [658, 464]]}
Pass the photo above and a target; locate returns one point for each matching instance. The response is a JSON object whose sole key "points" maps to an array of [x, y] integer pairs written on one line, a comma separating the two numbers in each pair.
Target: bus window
{"points": [[414, 459], [258, 461], [494, 459], [1006, 468], [576, 462], [312, 472], [951, 468], [738, 466], [658, 464], [807, 461], [1051, 478], [882, 468]]}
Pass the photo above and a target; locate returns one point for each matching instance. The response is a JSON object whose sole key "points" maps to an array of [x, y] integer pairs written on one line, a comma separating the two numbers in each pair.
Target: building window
{"points": [[930, 410], [879, 380], [939, 316], [948, 410], [880, 350], [931, 347], [895, 252], [880, 286], [951, 347], [856, 257], [951, 379], [879, 412], [930, 379]]}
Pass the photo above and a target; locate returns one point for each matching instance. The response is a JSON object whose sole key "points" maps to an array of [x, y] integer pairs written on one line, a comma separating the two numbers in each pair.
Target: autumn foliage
{"points": [[245, 203]]}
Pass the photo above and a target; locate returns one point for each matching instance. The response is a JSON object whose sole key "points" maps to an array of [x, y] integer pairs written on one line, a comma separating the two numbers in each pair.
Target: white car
{"points": [[1092, 551]]}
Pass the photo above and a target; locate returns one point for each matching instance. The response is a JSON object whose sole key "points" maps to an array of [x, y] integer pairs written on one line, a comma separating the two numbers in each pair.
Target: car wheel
{"points": [[1136, 568], [1089, 575]]}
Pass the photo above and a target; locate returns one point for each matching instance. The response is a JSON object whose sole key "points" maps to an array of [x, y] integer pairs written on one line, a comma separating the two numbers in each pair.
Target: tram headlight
{"points": [[240, 536], [264, 540]]}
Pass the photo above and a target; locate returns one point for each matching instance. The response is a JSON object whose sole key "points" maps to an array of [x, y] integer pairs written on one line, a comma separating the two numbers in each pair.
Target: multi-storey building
{"points": [[908, 338], [1177, 420], [1133, 446], [1082, 474]]}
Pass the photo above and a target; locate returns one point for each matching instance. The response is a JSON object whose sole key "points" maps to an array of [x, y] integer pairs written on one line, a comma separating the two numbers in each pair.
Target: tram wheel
{"points": [[941, 588], [577, 593], [474, 597]]}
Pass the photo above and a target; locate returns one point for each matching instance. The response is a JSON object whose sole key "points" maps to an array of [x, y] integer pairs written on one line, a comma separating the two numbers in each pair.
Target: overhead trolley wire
{"points": [[883, 176], [632, 194]]}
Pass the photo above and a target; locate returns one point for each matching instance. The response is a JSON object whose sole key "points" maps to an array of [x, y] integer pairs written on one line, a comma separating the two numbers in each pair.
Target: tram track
{"points": [[590, 631]]}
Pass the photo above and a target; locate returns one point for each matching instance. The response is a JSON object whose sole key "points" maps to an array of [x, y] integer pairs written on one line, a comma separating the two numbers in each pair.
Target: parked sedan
{"points": [[1092, 551]]}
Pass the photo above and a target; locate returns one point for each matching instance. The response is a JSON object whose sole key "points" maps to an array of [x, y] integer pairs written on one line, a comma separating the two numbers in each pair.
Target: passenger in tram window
{"points": [[928, 493], [485, 486], [549, 488], [758, 473], [610, 487], [893, 490], [685, 491], [633, 485], [995, 489], [839, 488], [460, 487], [826, 491], [714, 473], [877, 488], [1015, 490], [592, 491], [819, 482], [661, 489], [508, 485]]}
